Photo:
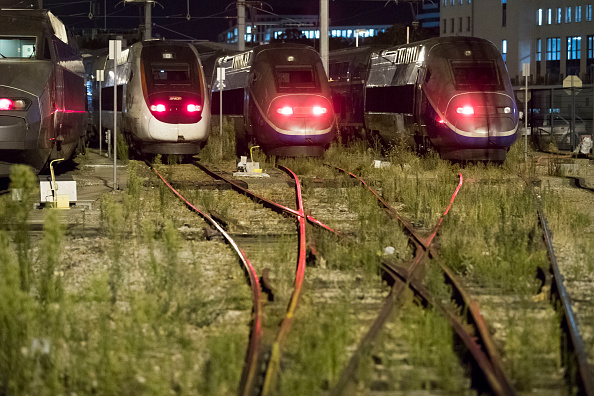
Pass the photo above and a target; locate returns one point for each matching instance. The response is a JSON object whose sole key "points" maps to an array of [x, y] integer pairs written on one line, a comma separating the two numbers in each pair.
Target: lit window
{"points": [[539, 17], [573, 47], [553, 49], [549, 16], [504, 49], [567, 14], [558, 16], [590, 47], [538, 50], [589, 12], [578, 13], [317, 34], [248, 29]]}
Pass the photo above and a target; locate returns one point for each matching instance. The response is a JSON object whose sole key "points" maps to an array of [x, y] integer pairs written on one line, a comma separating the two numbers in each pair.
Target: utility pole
{"points": [[324, 16], [148, 23], [241, 25]]}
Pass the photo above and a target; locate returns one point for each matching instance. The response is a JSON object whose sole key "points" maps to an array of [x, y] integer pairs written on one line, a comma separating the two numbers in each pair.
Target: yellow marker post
{"points": [[256, 170], [60, 201]]}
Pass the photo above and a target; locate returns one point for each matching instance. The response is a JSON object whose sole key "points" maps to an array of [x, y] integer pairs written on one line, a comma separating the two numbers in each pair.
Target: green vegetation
{"points": [[151, 318], [316, 346]]}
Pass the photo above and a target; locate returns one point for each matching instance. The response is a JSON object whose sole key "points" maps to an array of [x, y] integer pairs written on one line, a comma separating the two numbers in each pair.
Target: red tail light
{"points": [[13, 104], [465, 110], [286, 110], [159, 108], [318, 110], [302, 111], [6, 104], [193, 108]]}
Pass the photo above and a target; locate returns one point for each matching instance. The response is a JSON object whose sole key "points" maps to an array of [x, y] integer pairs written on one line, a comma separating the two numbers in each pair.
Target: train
{"points": [[42, 91], [278, 96], [163, 103], [449, 94]]}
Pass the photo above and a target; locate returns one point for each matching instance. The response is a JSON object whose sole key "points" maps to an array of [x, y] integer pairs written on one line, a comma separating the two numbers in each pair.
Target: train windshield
{"points": [[295, 77], [171, 73], [17, 47], [476, 75]]}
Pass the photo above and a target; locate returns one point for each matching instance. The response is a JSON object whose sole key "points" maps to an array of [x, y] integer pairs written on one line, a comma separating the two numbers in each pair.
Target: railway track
{"points": [[478, 342], [579, 372], [487, 362], [470, 326]]}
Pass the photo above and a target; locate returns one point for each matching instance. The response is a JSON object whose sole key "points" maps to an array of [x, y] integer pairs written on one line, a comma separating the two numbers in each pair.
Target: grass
{"points": [[316, 345], [158, 316]]}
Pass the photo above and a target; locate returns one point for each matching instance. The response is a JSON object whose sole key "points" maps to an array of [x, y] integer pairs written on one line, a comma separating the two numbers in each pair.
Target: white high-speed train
{"points": [[163, 101]]}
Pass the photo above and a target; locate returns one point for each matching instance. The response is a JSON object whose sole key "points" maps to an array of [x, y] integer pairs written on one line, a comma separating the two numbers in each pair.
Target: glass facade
{"points": [[554, 49], [574, 47]]}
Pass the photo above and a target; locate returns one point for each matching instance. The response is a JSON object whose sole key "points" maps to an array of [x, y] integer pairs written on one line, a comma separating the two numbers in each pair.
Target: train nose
{"points": [[305, 114], [483, 114]]}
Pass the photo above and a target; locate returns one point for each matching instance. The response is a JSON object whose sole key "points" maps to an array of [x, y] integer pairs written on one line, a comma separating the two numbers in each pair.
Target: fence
{"points": [[557, 116]]}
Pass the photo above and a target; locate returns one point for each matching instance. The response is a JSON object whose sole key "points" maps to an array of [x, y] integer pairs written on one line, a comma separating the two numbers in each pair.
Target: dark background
{"points": [[210, 17]]}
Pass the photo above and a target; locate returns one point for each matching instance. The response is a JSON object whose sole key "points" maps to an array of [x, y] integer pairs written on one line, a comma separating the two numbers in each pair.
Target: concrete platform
{"points": [[94, 178]]}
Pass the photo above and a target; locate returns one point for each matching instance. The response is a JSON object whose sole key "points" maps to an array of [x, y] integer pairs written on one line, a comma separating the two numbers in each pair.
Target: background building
{"points": [[554, 36], [262, 28]]}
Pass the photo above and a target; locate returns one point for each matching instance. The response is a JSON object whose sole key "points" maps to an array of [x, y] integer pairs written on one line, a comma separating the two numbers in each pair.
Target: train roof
{"points": [[30, 21], [439, 40]]}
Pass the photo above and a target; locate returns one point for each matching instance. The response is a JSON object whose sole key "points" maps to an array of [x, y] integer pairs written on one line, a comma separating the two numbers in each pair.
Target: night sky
{"points": [[210, 17]]}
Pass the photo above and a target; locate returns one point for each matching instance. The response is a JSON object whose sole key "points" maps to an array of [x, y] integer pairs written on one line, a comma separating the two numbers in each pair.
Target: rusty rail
{"points": [[251, 358], [274, 363], [574, 343]]}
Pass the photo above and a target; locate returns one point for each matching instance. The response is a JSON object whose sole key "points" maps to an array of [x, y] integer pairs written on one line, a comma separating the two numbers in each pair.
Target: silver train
{"points": [[42, 90], [279, 97], [163, 104], [452, 94]]}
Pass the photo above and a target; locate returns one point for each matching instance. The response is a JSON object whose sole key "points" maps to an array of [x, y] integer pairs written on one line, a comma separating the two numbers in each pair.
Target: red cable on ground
{"points": [[251, 358]]}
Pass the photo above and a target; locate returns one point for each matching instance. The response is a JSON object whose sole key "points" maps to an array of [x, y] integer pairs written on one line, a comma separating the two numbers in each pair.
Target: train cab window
{"points": [[295, 77], [476, 75], [17, 47], [171, 73]]}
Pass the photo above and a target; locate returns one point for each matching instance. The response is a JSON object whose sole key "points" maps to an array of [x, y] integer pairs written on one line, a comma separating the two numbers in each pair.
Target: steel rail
{"points": [[476, 320], [496, 379], [395, 292], [278, 208], [422, 245], [573, 344], [251, 358], [274, 363], [585, 382], [389, 209]]}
